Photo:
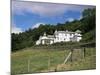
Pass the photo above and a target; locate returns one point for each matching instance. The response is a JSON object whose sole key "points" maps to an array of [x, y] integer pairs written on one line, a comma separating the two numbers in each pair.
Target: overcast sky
{"points": [[27, 15]]}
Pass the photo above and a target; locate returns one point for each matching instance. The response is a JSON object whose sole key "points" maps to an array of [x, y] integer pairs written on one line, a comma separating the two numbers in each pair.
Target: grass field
{"points": [[31, 60]]}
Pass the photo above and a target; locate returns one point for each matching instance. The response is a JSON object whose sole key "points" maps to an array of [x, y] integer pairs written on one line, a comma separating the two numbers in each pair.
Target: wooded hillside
{"points": [[87, 25]]}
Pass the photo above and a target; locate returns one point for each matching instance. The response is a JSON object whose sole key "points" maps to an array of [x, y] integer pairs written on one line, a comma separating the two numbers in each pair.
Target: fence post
{"points": [[71, 55], [48, 62], [67, 58], [55, 69], [84, 51], [28, 65]]}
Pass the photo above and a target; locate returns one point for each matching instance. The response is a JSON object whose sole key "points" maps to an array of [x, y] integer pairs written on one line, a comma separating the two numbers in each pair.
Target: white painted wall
{"points": [[51, 42], [37, 42], [59, 37]]}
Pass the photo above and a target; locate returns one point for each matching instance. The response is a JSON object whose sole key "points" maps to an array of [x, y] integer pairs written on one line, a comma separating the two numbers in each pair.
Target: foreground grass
{"points": [[49, 60]]}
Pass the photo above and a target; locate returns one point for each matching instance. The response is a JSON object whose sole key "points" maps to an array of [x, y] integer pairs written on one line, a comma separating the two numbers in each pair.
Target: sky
{"points": [[25, 15]]}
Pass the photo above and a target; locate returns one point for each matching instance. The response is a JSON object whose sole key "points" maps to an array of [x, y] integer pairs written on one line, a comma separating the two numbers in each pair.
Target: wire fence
{"points": [[71, 53]]}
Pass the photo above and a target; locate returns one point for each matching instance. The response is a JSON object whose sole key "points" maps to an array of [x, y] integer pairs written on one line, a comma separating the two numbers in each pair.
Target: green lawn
{"points": [[50, 60]]}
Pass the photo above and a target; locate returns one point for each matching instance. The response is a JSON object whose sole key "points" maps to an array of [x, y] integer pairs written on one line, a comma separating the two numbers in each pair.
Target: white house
{"points": [[60, 36]]}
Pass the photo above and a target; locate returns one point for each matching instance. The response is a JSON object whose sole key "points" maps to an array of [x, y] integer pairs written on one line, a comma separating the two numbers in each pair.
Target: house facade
{"points": [[60, 36]]}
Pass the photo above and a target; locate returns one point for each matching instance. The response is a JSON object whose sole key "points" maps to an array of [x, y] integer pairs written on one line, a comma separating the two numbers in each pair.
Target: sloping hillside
{"points": [[87, 25]]}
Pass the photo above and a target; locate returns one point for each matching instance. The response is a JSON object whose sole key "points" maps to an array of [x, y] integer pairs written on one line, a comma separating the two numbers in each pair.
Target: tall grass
{"points": [[45, 60]]}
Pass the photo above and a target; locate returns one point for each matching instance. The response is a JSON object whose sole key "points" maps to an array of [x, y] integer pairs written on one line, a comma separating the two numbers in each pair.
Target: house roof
{"points": [[78, 31], [50, 36], [47, 37], [64, 32]]}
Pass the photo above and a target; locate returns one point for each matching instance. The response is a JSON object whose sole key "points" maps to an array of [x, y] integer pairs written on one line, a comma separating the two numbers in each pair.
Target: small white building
{"points": [[60, 36]]}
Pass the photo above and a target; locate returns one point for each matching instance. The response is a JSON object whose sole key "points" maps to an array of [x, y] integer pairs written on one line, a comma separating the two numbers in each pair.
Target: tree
{"points": [[88, 12], [88, 20]]}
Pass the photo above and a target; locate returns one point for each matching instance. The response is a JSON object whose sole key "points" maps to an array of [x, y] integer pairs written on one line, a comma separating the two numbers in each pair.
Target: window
{"points": [[65, 34], [70, 34], [57, 38]]}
